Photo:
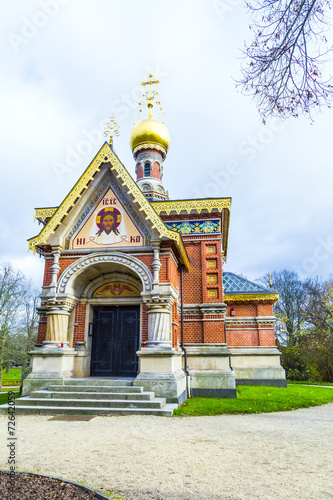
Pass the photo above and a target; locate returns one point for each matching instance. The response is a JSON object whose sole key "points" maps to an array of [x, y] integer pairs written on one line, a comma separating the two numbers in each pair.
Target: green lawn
{"points": [[258, 399], [13, 374], [308, 382], [4, 397]]}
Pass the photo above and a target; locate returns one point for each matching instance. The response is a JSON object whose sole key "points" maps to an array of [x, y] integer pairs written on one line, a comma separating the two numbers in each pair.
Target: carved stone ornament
{"points": [[92, 259], [251, 321], [213, 309]]}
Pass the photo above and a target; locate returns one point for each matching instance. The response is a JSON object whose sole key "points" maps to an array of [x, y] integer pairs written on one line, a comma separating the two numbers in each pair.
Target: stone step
{"points": [[106, 382], [96, 388], [142, 396], [92, 397], [166, 411], [102, 403]]}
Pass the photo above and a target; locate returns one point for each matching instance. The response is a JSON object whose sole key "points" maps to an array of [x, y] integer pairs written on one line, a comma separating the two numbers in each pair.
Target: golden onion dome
{"points": [[150, 133]]}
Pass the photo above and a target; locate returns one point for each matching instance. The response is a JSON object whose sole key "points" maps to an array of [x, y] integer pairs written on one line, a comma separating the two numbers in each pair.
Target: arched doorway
{"points": [[115, 341], [109, 288]]}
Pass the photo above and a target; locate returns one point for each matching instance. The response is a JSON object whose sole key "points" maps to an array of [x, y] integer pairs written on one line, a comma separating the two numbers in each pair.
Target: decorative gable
{"points": [[109, 225], [68, 223]]}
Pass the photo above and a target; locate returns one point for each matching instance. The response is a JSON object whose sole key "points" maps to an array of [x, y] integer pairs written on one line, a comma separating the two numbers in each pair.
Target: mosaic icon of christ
{"points": [[109, 227]]}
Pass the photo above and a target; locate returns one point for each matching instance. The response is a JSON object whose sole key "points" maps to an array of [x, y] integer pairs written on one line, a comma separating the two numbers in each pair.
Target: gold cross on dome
{"points": [[112, 129], [151, 93]]}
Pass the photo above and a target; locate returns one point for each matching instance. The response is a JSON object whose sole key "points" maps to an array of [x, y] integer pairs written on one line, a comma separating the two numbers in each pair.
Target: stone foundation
{"points": [[209, 368], [162, 372], [257, 366]]}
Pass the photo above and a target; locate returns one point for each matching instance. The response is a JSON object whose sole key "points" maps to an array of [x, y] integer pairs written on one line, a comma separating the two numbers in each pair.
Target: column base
{"points": [[159, 346], [161, 372], [51, 365], [55, 343]]}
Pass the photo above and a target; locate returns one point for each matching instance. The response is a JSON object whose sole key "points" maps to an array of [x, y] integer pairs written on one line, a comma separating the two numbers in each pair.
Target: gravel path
{"points": [[286, 455]]}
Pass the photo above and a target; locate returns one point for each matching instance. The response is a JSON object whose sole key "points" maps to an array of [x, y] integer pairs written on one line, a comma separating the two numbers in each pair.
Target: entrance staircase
{"points": [[94, 397]]}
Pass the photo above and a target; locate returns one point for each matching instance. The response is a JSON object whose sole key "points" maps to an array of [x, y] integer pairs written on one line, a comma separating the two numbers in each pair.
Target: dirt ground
{"points": [[286, 455]]}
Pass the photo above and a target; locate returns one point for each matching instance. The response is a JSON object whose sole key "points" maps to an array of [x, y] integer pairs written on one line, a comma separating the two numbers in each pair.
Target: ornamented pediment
{"points": [[136, 203], [108, 226]]}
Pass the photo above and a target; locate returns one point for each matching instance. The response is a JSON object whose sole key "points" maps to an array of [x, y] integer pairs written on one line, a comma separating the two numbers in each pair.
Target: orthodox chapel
{"points": [[134, 292]]}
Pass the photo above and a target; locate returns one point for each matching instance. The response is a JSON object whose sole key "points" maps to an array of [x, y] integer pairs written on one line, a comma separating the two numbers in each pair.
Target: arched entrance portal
{"points": [[109, 287]]}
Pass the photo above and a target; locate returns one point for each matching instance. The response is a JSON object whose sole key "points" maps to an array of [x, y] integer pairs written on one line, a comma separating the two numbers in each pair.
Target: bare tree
{"points": [[17, 316], [283, 65], [289, 308], [318, 310]]}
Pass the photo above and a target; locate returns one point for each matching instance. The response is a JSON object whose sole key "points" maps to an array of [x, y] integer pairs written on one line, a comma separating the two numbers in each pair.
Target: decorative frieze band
{"points": [[250, 320]]}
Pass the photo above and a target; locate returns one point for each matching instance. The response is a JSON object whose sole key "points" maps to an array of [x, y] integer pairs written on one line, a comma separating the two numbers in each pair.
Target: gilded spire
{"points": [[150, 133], [111, 129], [151, 93]]}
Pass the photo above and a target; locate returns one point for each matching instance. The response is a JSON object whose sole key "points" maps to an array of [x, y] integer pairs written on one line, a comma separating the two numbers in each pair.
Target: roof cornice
{"points": [[207, 205], [202, 206], [250, 297]]}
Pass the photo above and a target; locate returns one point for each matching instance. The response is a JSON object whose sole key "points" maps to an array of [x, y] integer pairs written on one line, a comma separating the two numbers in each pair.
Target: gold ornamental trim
{"points": [[152, 145], [209, 205], [44, 213], [107, 155], [203, 206], [250, 297]]}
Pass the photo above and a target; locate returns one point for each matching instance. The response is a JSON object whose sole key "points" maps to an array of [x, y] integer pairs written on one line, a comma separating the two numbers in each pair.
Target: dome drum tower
{"points": [[150, 140]]}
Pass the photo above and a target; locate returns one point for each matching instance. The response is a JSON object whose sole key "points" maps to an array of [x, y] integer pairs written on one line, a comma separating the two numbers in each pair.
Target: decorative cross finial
{"points": [[112, 129], [151, 94]]}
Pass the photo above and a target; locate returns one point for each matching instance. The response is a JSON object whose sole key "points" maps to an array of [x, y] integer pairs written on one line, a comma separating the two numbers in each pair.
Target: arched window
{"points": [[147, 169]]}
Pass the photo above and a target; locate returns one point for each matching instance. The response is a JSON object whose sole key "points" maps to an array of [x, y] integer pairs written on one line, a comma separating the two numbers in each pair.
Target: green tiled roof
{"points": [[234, 284]]}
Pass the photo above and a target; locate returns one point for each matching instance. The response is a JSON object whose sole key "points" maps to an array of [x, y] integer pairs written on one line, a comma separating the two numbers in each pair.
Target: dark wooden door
{"points": [[116, 332]]}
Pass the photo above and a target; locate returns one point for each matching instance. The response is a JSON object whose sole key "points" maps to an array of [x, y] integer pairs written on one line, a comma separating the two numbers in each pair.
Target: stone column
{"points": [[57, 327], [159, 325], [55, 268], [156, 265]]}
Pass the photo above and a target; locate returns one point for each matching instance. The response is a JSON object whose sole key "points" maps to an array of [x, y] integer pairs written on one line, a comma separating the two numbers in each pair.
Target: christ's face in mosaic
{"points": [[108, 223]]}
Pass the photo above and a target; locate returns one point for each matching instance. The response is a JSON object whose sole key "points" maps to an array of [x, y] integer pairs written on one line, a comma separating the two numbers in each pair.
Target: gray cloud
{"points": [[89, 59]]}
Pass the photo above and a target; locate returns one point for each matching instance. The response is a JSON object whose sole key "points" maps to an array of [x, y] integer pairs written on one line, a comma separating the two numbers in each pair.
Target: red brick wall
{"points": [[243, 309], [47, 271], [41, 330], [193, 277], [154, 172], [265, 310], [213, 330], [242, 337], [176, 332], [79, 323], [266, 337], [64, 262], [196, 288], [193, 330], [207, 271]]}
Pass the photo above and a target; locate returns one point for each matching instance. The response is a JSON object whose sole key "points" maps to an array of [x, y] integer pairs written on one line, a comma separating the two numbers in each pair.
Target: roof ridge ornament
{"points": [[111, 129]]}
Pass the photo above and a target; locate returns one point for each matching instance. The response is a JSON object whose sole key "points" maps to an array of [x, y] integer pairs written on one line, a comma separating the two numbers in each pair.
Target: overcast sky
{"points": [[69, 64]]}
